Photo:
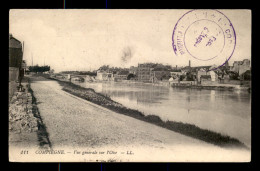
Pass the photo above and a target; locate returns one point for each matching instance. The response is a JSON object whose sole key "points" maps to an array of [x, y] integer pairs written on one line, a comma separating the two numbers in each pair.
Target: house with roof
{"points": [[16, 72], [160, 74], [121, 75], [206, 74], [104, 76], [15, 58]]}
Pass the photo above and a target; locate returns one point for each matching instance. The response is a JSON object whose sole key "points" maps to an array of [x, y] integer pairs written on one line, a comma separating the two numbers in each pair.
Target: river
{"points": [[226, 112]]}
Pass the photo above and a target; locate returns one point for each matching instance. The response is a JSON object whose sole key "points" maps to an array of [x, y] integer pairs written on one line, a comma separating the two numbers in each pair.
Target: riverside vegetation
{"points": [[182, 128]]}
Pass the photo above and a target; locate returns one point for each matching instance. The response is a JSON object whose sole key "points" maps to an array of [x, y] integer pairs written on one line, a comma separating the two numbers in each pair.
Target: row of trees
{"points": [[111, 69], [80, 73], [37, 68]]}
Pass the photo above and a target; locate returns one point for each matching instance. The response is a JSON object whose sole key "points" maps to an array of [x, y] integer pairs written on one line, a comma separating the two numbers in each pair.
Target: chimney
{"points": [[176, 67], [189, 63]]}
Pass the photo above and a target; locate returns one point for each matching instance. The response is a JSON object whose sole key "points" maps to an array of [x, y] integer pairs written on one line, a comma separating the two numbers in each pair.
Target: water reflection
{"points": [[227, 112]]}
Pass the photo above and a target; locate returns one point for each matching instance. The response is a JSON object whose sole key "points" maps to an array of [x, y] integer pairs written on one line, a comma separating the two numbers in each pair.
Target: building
{"points": [[104, 76], [214, 76], [15, 64], [159, 74], [203, 74], [121, 75], [144, 71], [175, 74], [15, 58], [241, 67], [245, 66]]}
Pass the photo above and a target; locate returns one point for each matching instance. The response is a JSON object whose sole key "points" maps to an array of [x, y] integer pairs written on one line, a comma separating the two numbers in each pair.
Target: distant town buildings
{"points": [[151, 72], [241, 67], [169, 75]]}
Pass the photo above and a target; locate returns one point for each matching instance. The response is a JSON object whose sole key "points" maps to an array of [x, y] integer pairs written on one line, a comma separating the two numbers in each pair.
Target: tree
{"points": [[130, 76], [189, 76], [233, 75], [37, 68], [104, 68], [181, 78], [247, 75]]}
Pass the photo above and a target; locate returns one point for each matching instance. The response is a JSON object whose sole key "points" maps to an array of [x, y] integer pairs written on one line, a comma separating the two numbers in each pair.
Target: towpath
{"points": [[73, 123]]}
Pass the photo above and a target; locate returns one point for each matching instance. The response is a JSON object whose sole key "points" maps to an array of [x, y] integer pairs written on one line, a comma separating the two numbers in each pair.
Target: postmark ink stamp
{"points": [[206, 35]]}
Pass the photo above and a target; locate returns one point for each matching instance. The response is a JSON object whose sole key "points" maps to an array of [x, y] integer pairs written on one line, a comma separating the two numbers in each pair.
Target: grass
{"points": [[182, 128]]}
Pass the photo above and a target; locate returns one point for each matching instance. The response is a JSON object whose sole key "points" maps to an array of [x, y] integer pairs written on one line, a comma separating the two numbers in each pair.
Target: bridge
{"points": [[85, 77]]}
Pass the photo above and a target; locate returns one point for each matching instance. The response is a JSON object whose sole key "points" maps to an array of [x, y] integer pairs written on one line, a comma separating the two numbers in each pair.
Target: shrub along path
{"points": [[183, 128]]}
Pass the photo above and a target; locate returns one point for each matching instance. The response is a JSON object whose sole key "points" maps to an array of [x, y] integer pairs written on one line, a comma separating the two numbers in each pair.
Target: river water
{"points": [[226, 112]]}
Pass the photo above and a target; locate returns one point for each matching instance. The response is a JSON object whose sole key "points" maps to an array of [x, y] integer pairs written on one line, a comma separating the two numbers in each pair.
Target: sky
{"points": [[83, 40]]}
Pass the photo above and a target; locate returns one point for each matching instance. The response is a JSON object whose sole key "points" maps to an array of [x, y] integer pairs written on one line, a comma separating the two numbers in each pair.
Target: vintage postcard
{"points": [[128, 85]]}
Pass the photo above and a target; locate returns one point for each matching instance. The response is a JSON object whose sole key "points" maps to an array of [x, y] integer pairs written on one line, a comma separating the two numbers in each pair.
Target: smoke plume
{"points": [[127, 54]]}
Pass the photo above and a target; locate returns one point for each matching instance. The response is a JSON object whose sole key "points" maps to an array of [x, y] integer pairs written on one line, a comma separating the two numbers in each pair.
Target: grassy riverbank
{"points": [[182, 128]]}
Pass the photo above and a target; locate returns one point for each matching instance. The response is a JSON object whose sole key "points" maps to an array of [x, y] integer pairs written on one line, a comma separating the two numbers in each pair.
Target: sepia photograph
{"points": [[129, 85]]}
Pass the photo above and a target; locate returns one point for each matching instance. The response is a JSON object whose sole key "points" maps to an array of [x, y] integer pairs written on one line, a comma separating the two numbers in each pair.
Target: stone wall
{"points": [[21, 117]]}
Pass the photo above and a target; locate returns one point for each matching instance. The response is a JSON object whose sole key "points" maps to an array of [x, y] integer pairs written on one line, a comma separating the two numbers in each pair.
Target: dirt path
{"points": [[74, 123]]}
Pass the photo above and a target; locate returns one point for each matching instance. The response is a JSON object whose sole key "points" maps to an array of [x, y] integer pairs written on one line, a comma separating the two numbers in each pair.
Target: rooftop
{"points": [[14, 43]]}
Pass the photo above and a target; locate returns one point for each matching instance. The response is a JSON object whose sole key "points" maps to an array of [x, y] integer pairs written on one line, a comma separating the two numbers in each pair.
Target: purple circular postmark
{"points": [[206, 35]]}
